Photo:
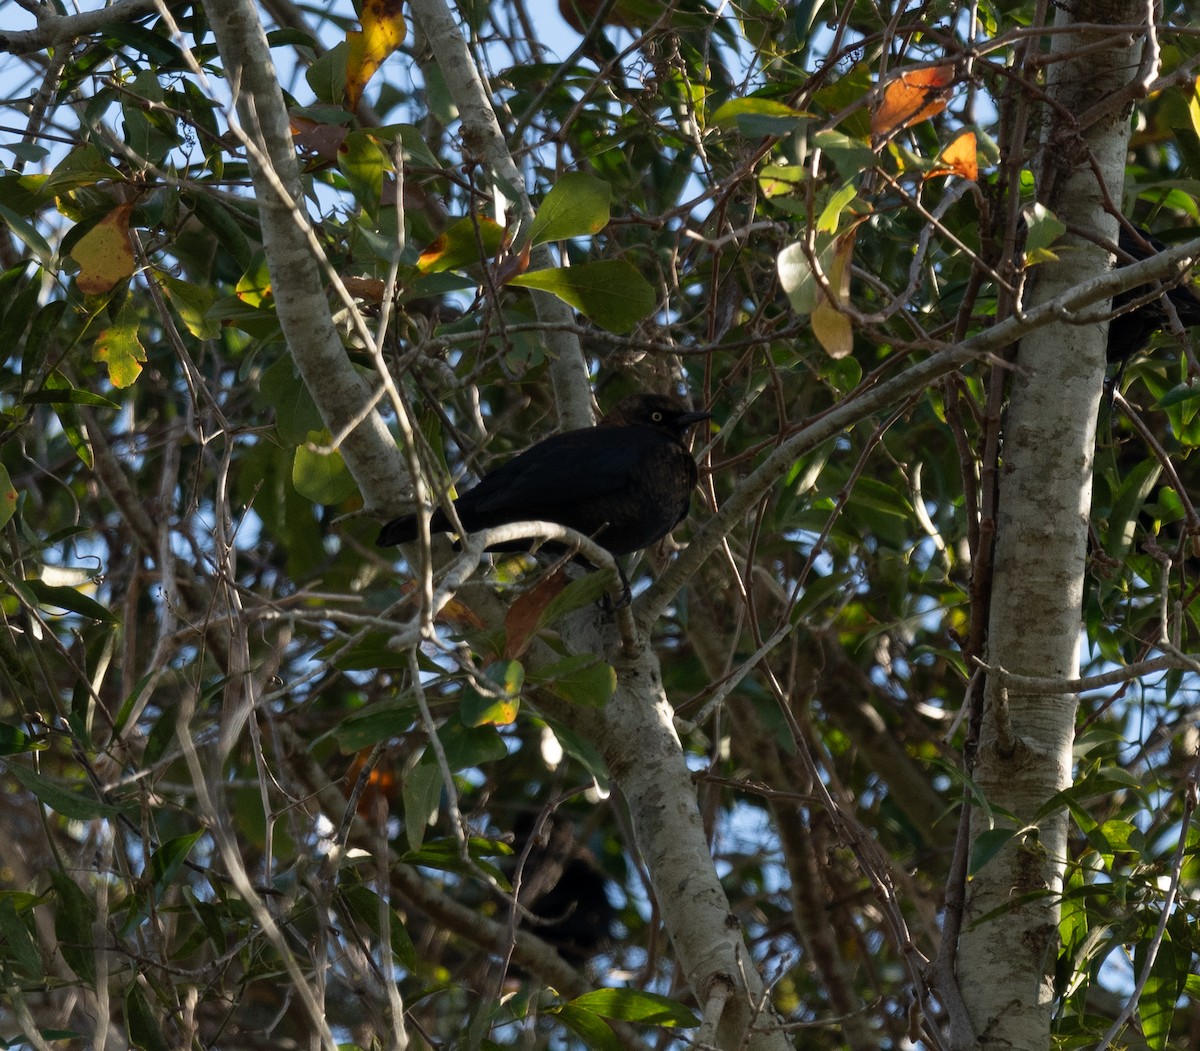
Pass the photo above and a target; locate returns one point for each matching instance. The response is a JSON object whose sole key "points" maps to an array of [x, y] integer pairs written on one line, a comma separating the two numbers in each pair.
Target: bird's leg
{"points": [[606, 602]]}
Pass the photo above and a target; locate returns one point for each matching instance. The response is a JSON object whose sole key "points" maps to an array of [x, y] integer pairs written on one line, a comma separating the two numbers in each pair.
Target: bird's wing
{"points": [[562, 469]]}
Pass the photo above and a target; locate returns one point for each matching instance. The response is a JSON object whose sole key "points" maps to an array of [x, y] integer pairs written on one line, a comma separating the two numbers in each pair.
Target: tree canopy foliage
{"points": [[269, 785]]}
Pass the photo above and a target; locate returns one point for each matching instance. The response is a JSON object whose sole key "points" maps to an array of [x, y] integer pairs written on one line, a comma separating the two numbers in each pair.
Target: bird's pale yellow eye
{"points": [[657, 417]]}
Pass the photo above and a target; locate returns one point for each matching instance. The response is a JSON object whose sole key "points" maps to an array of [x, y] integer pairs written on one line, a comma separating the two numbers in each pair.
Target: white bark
{"points": [[1006, 962], [293, 255], [483, 140]]}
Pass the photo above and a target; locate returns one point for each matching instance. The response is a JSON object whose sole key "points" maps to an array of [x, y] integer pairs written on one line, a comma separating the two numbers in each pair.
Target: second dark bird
{"points": [[1130, 332], [627, 482]]}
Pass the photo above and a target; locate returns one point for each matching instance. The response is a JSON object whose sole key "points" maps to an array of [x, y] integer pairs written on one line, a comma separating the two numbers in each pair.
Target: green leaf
{"points": [[69, 599], [797, 277], [610, 292], [61, 800], [166, 862], [377, 723], [988, 844], [18, 944], [69, 418], [119, 348], [581, 679], [320, 475], [634, 1005], [757, 116], [83, 166], [65, 394], [470, 241], [8, 497], [192, 303], [32, 240], [576, 206], [1156, 1008], [327, 75], [577, 594], [1177, 395], [583, 751], [1043, 230], [12, 740], [73, 919], [360, 159], [366, 906], [827, 222], [849, 156], [1122, 522], [296, 414], [499, 706], [144, 1029], [421, 794], [589, 1027], [466, 747], [446, 854]]}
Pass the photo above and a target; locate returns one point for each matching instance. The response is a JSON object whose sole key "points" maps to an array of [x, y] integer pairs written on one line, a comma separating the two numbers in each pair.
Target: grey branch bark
{"points": [[293, 256], [483, 140]]}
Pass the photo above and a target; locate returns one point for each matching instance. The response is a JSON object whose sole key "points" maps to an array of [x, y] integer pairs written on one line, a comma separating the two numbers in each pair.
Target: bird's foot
{"points": [[623, 599]]}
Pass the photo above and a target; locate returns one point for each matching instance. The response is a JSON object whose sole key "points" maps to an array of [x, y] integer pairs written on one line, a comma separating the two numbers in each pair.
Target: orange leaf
{"points": [[105, 253], [381, 787], [455, 612], [911, 98], [322, 140], [383, 31], [513, 266], [368, 289], [525, 614], [960, 158]]}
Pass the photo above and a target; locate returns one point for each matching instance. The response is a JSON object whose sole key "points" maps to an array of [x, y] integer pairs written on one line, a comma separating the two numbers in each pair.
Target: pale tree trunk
{"points": [[1007, 954]]}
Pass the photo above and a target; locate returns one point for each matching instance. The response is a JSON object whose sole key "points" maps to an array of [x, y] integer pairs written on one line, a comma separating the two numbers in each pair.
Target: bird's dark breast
{"points": [[654, 500]]}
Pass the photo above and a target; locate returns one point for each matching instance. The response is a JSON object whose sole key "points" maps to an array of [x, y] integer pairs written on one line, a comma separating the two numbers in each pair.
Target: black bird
{"points": [[1129, 333], [627, 483], [563, 887]]}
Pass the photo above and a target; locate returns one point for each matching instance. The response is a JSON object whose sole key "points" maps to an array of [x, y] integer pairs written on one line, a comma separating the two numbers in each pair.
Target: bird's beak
{"points": [[690, 419]]}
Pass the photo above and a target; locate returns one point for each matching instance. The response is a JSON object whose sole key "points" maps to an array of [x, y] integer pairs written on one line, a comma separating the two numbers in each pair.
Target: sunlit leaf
{"points": [[757, 116], [119, 348], [829, 324], [610, 292], [192, 302], [636, 1005], [910, 98], [383, 31], [961, 157], [576, 206], [588, 1025], [105, 253], [320, 474], [499, 704]]}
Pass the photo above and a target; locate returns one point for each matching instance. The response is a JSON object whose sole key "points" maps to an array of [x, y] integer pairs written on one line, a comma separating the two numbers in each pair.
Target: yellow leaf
{"points": [[383, 31], [105, 253], [831, 327], [118, 347]]}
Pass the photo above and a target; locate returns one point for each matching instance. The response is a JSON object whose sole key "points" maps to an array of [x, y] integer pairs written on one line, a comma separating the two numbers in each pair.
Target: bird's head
{"points": [[663, 412]]}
